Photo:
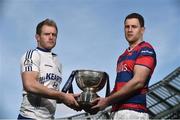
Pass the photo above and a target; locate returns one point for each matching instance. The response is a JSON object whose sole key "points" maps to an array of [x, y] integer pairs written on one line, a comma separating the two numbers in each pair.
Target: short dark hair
{"points": [[136, 15], [48, 22]]}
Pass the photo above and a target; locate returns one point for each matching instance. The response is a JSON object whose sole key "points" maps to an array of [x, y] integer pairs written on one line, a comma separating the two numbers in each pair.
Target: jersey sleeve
{"points": [[30, 61], [147, 57]]}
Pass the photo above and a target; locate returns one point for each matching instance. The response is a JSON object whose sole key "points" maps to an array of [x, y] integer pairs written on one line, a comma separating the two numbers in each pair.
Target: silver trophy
{"points": [[90, 82]]}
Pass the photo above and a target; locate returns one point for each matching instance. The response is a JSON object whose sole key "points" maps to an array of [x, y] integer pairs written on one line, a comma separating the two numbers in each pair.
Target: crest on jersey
{"points": [[28, 62]]}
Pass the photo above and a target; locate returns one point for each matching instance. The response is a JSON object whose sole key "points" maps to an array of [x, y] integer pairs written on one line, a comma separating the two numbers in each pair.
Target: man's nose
{"points": [[51, 36], [130, 28]]}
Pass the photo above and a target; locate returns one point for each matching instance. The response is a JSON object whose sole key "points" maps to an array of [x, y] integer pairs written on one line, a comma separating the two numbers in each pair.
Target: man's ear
{"points": [[142, 30], [37, 37]]}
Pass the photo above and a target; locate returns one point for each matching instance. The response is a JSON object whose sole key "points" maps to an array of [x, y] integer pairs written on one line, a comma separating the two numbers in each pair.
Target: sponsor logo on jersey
{"points": [[146, 51], [48, 65], [54, 79], [50, 76], [122, 67], [28, 62]]}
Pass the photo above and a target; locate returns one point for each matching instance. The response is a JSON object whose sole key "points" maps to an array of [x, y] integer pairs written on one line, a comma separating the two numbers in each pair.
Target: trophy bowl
{"points": [[90, 82]]}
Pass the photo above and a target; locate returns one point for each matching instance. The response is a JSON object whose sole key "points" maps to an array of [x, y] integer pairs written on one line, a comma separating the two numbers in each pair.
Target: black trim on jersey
{"points": [[28, 68], [29, 54], [29, 59], [43, 49]]}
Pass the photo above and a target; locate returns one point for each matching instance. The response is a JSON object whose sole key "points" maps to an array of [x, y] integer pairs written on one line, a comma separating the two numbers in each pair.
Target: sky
{"points": [[90, 36]]}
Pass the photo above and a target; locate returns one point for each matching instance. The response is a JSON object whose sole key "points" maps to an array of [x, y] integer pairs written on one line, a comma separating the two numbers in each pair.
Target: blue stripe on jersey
{"points": [[141, 99], [145, 51], [124, 76], [133, 56]]}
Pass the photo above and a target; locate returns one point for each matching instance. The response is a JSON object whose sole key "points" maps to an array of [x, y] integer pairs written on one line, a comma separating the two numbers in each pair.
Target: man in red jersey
{"points": [[134, 69]]}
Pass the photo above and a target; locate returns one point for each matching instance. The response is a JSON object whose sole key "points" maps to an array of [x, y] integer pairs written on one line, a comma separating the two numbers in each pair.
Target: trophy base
{"points": [[85, 101], [87, 107]]}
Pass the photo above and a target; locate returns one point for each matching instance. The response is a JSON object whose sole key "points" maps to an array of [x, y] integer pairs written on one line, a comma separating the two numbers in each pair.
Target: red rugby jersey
{"points": [[142, 54]]}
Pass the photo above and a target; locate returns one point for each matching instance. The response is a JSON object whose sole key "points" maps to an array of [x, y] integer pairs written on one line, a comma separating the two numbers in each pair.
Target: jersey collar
{"points": [[43, 49], [129, 50]]}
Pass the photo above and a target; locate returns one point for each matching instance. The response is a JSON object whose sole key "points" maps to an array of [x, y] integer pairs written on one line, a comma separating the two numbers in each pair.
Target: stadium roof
{"points": [[163, 98]]}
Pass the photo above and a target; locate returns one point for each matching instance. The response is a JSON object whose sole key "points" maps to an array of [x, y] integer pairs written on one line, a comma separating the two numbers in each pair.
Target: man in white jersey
{"points": [[41, 76]]}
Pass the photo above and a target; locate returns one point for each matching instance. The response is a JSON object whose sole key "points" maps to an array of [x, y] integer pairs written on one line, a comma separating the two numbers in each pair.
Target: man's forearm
{"points": [[125, 92]]}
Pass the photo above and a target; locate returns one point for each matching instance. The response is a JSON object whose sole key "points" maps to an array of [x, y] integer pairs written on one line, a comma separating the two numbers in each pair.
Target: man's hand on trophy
{"points": [[70, 101], [100, 103], [76, 96], [91, 111], [96, 105]]}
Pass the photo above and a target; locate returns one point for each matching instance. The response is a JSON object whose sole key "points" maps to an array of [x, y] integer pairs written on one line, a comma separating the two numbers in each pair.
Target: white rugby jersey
{"points": [[50, 75]]}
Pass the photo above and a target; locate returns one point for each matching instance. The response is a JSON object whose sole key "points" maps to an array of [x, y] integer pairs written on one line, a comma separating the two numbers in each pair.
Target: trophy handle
{"points": [[68, 85], [107, 85]]}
